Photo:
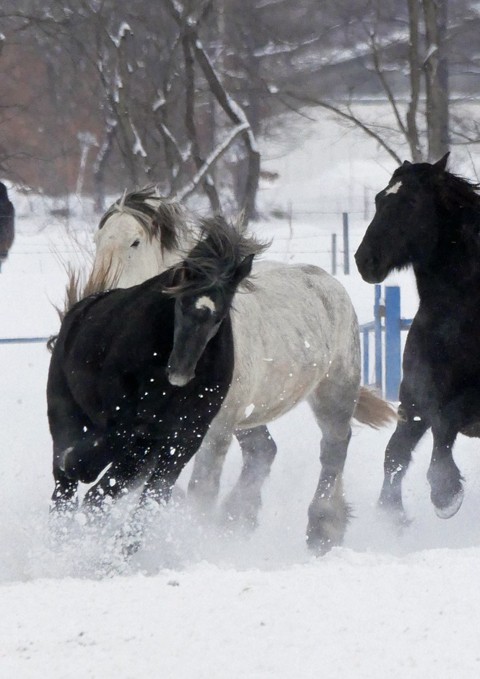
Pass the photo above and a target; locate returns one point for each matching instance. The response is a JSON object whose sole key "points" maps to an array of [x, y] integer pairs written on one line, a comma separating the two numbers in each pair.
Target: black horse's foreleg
{"points": [[86, 459], [170, 460], [446, 482], [64, 496], [132, 465], [242, 505], [398, 456]]}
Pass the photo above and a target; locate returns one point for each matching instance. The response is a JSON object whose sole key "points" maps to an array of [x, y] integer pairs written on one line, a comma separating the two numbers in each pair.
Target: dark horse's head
{"points": [[204, 285], [403, 230]]}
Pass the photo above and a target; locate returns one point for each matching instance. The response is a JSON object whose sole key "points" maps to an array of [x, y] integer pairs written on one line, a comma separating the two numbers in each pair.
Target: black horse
{"points": [[109, 399], [430, 219], [7, 223]]}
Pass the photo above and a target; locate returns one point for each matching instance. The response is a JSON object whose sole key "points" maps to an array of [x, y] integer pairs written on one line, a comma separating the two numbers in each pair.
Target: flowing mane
{"points": [[219, 251], [162, 219]]}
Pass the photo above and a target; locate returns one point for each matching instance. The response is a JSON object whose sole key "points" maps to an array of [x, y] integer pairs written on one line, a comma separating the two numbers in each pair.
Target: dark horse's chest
{"points": [[441, 361]]}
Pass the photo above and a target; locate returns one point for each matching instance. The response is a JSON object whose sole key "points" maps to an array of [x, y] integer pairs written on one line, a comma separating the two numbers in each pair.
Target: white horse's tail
{"points": [[373, 410]]}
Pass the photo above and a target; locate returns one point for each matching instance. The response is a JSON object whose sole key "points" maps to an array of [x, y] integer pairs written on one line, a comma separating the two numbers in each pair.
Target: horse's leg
{"points": [[328, 513], [67, 426], [443, 474], [243, 503], [445, 480], [204, 483], [398, 456], [157, 490]]}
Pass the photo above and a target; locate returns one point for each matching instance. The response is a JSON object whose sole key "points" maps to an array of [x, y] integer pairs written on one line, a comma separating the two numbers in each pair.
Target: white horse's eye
{"points": [[135, 243]]}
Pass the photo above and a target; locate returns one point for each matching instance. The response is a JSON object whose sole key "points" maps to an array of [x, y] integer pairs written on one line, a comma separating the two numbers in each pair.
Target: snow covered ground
{"points": [[198, 602]]}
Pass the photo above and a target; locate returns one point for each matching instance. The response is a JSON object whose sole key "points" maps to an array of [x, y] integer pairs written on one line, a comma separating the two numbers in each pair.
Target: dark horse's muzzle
{"points": [[369, 264]]}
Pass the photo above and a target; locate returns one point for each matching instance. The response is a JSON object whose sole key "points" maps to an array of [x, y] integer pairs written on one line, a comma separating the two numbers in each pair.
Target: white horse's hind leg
{"points": [[328, 513], [243, 503]]}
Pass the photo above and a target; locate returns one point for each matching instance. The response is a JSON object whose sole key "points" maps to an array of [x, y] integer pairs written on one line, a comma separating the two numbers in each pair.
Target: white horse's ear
{"points": [[441, 165]]}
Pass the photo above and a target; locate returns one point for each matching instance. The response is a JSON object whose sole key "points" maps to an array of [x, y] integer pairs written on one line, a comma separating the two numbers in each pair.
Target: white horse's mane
{"points": [[163, 219]]}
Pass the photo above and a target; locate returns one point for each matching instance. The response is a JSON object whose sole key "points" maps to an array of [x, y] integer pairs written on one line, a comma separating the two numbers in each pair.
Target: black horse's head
{"points": [[402, 231], [204, 285]]}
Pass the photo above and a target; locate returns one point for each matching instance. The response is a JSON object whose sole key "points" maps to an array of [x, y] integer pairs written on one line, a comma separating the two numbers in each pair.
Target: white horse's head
{"points": [[139, 236]]}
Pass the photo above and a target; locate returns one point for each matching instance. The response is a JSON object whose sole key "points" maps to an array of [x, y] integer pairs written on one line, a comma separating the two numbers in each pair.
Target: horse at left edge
{"points": [[7, 223]]}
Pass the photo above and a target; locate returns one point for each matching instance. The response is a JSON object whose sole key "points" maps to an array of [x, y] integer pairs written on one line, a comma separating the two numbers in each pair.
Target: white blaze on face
{"points": [[205, 302], [394, 189]]}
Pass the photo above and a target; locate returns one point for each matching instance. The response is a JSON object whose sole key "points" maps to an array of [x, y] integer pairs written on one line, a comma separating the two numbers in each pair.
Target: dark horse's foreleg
{"points": [[398, 456], [443, 474], [86, 459], [243, 503], [133, 462], [157, 488], [446, 482], [68, 426]]}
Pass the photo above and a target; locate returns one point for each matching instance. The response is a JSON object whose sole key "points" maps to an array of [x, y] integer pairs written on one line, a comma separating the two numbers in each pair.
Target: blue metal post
{"points": [[392, 342], [377, 315]]}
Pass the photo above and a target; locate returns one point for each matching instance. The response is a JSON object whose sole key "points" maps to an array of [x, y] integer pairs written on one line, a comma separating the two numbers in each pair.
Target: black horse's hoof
{"points": [[449, 509], [394, 514]]}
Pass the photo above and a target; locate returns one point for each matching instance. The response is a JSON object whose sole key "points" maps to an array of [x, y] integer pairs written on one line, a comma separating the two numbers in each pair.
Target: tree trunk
{"points": [[436, 77]]}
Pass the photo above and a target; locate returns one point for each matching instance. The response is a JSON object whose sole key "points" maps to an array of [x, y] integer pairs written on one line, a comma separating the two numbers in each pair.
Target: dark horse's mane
{"points": [[219, 251], [162, 219], [454, 191]]}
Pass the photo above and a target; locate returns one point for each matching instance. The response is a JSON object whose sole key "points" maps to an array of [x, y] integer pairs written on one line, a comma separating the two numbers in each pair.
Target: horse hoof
{"points": [[449, 510], [394, 514]]}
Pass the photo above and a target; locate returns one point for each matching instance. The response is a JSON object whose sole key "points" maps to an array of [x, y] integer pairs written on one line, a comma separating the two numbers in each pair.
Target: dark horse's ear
{"points": [[243, 269], [406, 163], [441, 165]]}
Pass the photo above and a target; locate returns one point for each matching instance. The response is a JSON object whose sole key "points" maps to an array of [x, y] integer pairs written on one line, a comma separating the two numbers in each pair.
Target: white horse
{"points": [[295, 338]]}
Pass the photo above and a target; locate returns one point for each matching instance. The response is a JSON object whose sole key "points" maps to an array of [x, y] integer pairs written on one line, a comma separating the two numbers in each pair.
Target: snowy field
{"points": [[200, 603]]}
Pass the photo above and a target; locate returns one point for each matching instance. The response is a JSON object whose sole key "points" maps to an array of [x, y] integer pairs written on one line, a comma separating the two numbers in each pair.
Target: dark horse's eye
{"points": [[135, 243]]}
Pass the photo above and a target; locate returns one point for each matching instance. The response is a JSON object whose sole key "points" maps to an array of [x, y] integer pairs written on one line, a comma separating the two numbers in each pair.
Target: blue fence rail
{"points": [[23, 340], [387, 323]]}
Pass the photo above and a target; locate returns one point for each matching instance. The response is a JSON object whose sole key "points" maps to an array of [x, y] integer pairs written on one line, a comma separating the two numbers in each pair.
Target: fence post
{"points": [[377, 316], [334, 254], [346, 247], [392, 342]]}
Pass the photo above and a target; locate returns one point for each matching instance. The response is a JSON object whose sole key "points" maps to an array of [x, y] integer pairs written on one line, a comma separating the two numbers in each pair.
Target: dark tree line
{"points": [[102, 94]]}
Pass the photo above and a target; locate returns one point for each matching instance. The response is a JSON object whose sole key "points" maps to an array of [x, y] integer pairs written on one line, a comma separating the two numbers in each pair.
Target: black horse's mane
{"points": [[454, 191], [162, 219], [457, 192], [221, 248]]}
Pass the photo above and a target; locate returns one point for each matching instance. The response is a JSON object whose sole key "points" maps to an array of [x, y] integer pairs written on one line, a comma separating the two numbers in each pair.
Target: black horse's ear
{"points": [[243, 269], [441, 165], [406, 163]]}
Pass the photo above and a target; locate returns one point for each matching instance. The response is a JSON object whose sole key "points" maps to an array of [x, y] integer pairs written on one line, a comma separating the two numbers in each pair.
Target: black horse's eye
{"points": [[135, 243]]}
